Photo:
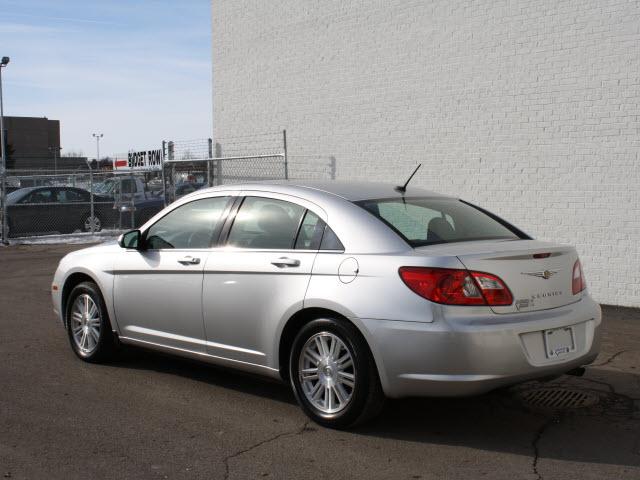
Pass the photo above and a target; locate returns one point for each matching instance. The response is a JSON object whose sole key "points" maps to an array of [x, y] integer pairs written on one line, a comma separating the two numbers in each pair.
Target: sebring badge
{"points": [[547, 274]]}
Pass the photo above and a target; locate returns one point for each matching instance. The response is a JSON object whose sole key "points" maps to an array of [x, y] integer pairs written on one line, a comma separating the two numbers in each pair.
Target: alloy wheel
{"points": [[97, 225], [327, 373], [85, 324]]}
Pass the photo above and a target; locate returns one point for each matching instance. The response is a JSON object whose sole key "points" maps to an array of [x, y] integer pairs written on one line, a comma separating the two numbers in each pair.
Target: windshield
{"points": [[428, 221], [13, 197], [104, 188]]}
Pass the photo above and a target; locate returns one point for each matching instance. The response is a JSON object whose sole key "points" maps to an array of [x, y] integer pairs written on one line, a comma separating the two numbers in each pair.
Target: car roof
{"points": [[351, 191]]}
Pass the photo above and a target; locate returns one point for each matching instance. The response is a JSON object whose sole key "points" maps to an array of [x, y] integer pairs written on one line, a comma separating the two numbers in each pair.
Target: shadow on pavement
{"points": [[606, 432]]}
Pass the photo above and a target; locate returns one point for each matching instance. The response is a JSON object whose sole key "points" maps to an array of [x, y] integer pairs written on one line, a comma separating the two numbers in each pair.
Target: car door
{"points": [[22, 215], [158, 290], [36, 212], [258, 278], [72, 208]]}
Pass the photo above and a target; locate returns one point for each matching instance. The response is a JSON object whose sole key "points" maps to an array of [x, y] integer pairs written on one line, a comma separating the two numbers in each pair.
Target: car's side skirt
{"points": [[204, 357]]}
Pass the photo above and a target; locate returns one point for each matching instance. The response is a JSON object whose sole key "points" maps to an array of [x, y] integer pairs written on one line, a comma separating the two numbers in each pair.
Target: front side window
{"points": [[39, 196], [189, 226], [427, 221], [266, 223]]}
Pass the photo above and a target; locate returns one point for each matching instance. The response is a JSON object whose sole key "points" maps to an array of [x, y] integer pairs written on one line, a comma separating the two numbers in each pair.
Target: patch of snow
{"points": [[103, 236]]}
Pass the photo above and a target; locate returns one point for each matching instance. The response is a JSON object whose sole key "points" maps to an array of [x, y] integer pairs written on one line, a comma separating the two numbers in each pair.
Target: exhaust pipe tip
{"points": [[576, 372]]}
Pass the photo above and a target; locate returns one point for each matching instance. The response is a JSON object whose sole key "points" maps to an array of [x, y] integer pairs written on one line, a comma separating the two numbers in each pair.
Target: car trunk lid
{"points": [[538, 274]]}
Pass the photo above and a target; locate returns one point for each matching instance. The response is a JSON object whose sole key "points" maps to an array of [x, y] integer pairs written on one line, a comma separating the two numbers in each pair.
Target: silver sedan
{"points": [[350, 292]]}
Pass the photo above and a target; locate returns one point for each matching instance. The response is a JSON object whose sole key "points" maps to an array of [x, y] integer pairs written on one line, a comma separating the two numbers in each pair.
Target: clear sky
{"points": [[138, 71]]}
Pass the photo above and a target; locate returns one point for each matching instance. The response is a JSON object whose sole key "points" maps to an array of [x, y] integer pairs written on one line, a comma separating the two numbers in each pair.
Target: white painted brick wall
{"points": [[529, 108]]}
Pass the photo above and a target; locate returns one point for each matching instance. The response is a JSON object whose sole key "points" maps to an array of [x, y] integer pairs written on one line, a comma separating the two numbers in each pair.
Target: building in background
{"points": [[528, 108], [33, 143]]}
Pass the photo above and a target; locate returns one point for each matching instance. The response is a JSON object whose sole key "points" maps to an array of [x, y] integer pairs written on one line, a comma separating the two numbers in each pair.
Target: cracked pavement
{"points": [[150, 416]]}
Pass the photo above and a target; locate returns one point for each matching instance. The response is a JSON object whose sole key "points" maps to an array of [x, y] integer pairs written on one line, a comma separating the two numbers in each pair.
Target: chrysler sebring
{"points": [[350, 292]]}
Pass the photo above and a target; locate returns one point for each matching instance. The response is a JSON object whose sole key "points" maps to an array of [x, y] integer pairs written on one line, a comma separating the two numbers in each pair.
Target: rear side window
{"points": [[330, 240], [128, 185], [310, 233], [428, 221], [266, 223], [68, 196], [315, 234]]}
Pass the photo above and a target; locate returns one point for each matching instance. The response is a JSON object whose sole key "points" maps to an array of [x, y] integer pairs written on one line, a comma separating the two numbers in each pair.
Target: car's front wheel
{"points": [[88, 324], [333, 374]]}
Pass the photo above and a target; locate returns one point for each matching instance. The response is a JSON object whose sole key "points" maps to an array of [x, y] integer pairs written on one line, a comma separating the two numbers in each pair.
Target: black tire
{"points": [[105, 345], [367, 397], [10, 230]]}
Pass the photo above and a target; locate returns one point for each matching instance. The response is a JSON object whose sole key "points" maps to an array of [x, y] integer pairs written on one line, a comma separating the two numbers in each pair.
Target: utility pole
{"points": [[3, 167]]}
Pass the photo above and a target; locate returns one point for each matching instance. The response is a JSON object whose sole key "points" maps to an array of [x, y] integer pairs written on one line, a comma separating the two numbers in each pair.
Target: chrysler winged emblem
{"points": [[546, 274]]}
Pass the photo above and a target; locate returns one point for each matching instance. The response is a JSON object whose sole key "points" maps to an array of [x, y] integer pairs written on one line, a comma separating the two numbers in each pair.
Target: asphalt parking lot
{"points": [[150, 416]]}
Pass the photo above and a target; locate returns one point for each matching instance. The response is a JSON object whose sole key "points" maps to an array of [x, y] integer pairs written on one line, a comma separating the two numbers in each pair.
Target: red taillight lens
{"points": [[493, 289], [578, 282], [456, 287]]}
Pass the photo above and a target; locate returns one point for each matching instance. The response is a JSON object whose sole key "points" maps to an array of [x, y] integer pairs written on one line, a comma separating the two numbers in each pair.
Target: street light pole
{"points": [[3, 167], [97, 136], [55, 151]]}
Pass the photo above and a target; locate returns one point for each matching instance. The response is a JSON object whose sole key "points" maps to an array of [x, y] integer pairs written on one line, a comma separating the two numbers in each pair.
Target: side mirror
{"points": [[130, 239]]}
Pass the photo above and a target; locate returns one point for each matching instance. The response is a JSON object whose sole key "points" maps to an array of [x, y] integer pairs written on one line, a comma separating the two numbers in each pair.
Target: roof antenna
{"points": [[403, 188]]}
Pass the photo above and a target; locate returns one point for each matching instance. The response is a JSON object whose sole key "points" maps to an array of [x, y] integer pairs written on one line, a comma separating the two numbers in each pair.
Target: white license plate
{"points": [[559, 342]]}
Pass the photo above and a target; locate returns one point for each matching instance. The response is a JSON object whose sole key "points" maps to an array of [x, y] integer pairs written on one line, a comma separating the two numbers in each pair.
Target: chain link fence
{"points": [[90, 199], [78, 201], [200, 163]]}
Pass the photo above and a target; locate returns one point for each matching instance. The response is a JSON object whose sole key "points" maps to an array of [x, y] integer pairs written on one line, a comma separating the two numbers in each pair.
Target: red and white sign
{"points": [[142, 160]]}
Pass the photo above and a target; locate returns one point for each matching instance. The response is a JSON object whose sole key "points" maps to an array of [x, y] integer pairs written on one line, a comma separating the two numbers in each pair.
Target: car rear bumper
{"points": [[462, 354]]}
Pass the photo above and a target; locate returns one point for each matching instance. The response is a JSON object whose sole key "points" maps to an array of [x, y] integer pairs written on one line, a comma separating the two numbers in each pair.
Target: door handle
{"points": [[189, 260], [283, 262]]}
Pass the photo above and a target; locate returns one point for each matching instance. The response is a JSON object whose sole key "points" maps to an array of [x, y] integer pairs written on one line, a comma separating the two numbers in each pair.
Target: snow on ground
{"points": [[69, 239]]}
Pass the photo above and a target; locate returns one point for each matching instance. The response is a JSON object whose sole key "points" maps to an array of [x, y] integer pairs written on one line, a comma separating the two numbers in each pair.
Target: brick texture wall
{"points": [[529, 108]]}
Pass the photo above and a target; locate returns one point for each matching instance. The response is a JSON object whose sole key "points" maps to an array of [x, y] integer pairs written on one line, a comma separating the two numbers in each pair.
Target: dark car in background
{"points": [[49, 209]]}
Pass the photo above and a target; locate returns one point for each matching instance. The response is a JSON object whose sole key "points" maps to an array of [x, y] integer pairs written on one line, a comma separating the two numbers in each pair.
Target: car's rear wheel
{"points": [[333, 374], [88, 324], [89, 220]]}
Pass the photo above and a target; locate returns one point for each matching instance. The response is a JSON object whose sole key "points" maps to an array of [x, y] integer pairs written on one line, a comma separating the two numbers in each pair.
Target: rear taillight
{"points": [[578, 282], [456, 287]]}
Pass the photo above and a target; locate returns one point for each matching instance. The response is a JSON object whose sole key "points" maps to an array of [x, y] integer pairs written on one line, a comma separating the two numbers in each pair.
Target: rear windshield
{"points": [[428, 221]]}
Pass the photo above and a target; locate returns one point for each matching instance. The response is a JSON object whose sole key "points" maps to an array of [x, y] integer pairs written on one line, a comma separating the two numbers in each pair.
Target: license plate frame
{"points": [[559, 342]]}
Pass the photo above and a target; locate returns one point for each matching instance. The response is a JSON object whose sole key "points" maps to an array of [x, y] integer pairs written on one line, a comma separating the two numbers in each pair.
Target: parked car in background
{"points": [[46, 210], [349, 292], [121, 188], [143, 210], [185, 188], [126, 193]]}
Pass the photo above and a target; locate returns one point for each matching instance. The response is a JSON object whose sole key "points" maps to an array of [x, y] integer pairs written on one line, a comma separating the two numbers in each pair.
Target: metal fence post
{"points": [[164, 181], [218, 173], [91, 198], [133, 204], [3, 170], [172, 181], [286, 162], [210, 150]]}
